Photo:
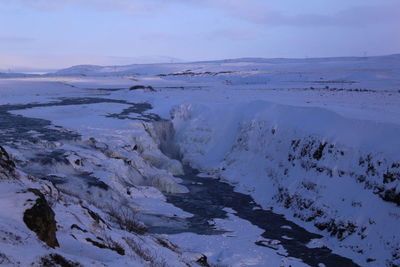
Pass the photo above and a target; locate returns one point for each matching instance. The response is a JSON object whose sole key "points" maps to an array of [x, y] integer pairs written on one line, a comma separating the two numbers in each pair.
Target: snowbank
{"points": [[339, 174]]}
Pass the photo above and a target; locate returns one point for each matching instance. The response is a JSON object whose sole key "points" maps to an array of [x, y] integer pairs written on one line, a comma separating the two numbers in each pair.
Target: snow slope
{"points": [[372, 73], [339, 174], [313, 139]]}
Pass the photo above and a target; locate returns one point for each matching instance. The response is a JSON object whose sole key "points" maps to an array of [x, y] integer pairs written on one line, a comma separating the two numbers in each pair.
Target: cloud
{"points": [[261, 13], [253, 11], [234, 34], [15, 39], [159, 36], [15, 61], [102, 5]]}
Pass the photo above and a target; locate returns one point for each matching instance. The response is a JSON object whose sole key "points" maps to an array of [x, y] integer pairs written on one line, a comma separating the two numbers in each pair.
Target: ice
{"points": [[313, 139]]}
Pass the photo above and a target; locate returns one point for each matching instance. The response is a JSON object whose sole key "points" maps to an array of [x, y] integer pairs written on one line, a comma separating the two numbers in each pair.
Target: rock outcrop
{"points": [[40, 219], [7, 166]]}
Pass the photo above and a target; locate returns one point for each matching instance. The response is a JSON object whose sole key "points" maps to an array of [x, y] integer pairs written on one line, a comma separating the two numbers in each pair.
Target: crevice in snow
{"points": [[163, 133]]}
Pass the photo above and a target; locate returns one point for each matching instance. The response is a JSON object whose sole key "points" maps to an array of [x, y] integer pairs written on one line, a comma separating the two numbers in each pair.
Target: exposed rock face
{"points": [[7, 166], [57, 260], [136, 87], [115, 247], [40, 219], [202, 261]]}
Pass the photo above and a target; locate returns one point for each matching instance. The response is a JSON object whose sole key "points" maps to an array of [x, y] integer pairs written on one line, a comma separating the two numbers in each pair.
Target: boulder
{"points": [[40, 219]]}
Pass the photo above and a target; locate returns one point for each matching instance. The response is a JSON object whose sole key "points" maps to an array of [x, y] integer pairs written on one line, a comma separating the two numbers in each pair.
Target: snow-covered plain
{"points": [[313, 139]]}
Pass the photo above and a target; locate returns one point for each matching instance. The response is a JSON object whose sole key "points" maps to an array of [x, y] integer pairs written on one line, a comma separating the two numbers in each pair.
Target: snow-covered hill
{"points": [[373, 73], [16, 75], [313, 139]]}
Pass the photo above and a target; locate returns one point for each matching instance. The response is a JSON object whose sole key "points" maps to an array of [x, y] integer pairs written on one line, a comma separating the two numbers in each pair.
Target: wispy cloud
{"points": [[261, 13], [193, 29], [15, 39], [57, 61], [234, 34], [103, 5], [253, 11]]}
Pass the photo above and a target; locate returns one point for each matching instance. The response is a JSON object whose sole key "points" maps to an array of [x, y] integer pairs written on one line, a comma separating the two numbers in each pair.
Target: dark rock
{"points": [[391, 195], [57, 260], [319, 152], [74, 226], [4, 260], [96, 217], [339, 229], [40, 219], [136, 87], [389, 177], [7, 166], [116, 247], [202, 261]]}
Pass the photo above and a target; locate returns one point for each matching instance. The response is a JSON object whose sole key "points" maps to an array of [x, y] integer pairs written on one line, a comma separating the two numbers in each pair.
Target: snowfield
{"points": [[104, 152]]}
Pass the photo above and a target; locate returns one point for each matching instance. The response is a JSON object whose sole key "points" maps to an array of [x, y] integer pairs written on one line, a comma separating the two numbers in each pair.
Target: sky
{"points": [[52, 34]]}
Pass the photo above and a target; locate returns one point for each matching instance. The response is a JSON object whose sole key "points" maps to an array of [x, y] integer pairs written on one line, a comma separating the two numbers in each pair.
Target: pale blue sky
{"points": [[60, 33]]}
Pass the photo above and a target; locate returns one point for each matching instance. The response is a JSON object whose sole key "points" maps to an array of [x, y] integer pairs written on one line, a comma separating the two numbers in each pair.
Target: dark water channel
{"points": [[18, 131], [209, 196], [17, 128]]}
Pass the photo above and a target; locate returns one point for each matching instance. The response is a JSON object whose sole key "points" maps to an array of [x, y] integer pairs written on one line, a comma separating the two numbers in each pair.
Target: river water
{"points": [[207, 197]]}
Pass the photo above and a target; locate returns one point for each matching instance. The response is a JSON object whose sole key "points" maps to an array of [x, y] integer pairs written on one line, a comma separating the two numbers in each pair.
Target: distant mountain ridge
{"points": [[347, 64]]}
